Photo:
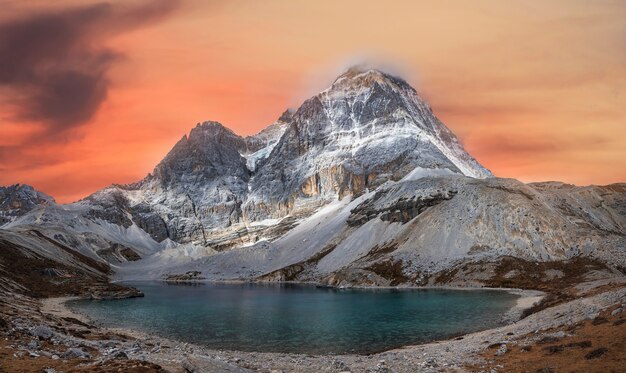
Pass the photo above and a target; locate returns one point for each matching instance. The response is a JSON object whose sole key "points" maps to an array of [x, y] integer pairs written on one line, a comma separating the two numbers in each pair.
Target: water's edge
{"points": [[527, 298]]}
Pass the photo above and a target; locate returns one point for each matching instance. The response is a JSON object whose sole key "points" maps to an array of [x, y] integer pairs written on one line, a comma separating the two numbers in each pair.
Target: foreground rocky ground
{"points": [[584, 333], [578, 326]]}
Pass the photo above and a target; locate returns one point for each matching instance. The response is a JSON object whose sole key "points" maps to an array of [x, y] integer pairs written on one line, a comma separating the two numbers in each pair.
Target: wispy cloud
{"points": [[55, 64]]}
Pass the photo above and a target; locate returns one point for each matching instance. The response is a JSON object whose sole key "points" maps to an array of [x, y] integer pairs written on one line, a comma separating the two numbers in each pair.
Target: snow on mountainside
{"points": [[367, 128], [360, 184], [414, 230], [213, 186], [361, 101], [260, 146]]}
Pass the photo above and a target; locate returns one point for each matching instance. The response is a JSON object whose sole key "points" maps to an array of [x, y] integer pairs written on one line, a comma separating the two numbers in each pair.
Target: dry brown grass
{"points": [[597, 345]]}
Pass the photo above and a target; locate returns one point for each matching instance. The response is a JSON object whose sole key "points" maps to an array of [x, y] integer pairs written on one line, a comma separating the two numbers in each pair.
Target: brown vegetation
{"points": [[597, 345]]}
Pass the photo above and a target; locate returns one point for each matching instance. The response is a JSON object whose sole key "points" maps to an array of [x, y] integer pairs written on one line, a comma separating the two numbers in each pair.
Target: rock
{"points": [[596, 353], [339, 365], [74, 353], [119, 355], [189, 367], [381, 367], [127, 292], [502, 350], [42, 332], [133, 350], [545, 370], [188, 276], [33, 345], [108, 344], [617, 311]]}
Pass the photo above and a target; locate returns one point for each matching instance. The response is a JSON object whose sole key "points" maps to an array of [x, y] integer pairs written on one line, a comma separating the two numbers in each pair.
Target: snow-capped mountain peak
{"points": [[362, 176], [358, 77], [383, 105], [368, 128]]}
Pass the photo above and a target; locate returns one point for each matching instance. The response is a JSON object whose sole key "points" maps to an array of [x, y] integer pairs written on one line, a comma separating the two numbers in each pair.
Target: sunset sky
{"points": [[96, 93]]}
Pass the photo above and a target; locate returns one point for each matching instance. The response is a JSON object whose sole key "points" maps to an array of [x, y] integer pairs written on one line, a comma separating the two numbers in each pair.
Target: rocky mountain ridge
{"points": [[18, 199], [360, 185]]}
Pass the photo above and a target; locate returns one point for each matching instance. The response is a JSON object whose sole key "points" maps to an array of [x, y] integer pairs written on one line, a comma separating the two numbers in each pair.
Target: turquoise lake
{"points": [[301, 318]]}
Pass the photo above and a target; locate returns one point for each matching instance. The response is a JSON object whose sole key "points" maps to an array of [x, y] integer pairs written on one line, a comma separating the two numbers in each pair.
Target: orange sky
{"points": [[534, 89]]}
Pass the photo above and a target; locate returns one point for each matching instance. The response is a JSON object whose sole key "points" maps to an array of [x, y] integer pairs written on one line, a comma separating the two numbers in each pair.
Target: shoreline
{"points": [[317, 284], [468, 352]]}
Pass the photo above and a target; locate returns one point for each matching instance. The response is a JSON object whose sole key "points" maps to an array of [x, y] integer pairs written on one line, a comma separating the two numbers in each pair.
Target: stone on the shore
{"points": [[187, 276], [382, 367], [42, 332], [73, 353], [502, 350], [109, 344], [33, 345], [119, 355], [189, 367], [617, 311]]}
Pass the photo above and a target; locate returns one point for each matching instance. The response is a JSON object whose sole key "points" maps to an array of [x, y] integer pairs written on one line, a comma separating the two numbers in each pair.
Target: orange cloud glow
{"points": [[534, 89]]}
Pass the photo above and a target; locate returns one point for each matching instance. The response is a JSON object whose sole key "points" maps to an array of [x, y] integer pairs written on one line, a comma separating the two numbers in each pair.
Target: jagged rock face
{"points": [[408, 231], [401, 210], [418, 203], [269, 135], [199, 186], [259, 147], [367, 128], [214, 188], [210, 152], [110, 205], [16, 200]]}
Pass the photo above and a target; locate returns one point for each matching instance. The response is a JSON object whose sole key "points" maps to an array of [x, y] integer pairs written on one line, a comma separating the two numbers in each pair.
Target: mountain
{"points": [[362, 184], [367, 128], [260, 146], [16, 200]]}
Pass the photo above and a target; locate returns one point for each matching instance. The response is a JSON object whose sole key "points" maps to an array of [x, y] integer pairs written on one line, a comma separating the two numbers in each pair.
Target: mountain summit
{"points": [[366, 129], [362, 184]]}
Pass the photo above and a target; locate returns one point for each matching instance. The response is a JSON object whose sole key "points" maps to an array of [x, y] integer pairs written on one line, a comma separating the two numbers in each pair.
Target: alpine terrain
{"points": [[362, 185]]}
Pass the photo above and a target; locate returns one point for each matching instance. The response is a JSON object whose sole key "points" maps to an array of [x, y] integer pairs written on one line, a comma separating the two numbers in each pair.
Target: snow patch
{"points": [[420, 172]]}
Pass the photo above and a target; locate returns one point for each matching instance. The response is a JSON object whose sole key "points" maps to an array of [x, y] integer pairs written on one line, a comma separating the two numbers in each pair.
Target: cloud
{"points": [[501, 144], [55, 63], [18, 158], [537, 145]]}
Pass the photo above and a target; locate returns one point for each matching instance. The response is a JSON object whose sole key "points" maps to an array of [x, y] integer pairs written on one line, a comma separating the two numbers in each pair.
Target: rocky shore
{"points": [[47, 336]]}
